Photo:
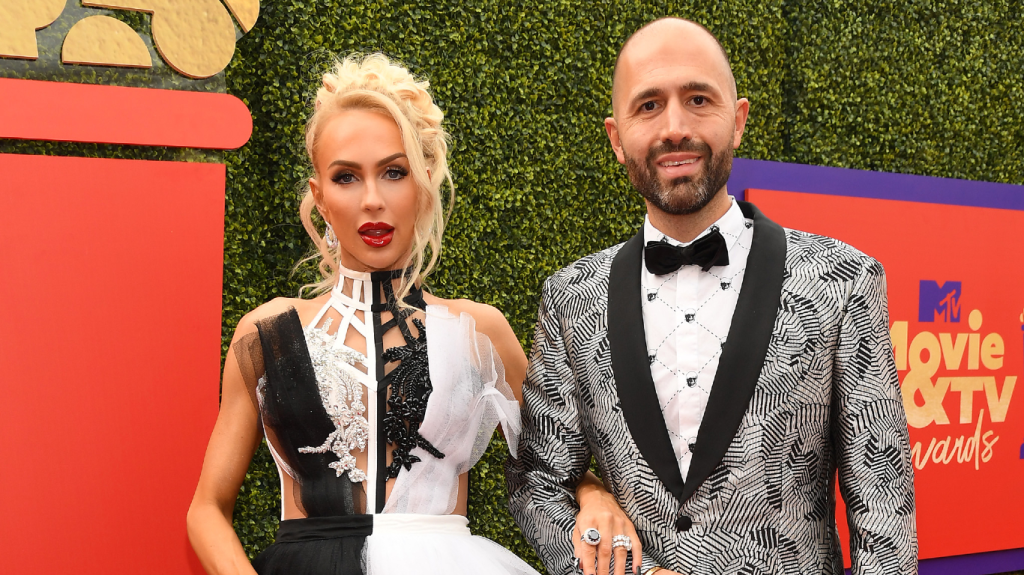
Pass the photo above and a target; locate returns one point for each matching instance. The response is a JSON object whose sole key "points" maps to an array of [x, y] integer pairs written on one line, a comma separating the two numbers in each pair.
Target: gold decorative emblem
{"points": [[194, 37], [19, 20], [245, 11], [102, 39]]}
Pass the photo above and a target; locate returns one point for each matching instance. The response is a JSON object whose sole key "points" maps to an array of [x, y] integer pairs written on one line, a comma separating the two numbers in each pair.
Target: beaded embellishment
{"points": [[342, 396], [407, 405]]}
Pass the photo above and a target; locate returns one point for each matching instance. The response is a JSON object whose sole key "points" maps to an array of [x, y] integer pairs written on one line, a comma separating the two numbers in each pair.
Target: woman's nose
{"points": [[372, 199]]}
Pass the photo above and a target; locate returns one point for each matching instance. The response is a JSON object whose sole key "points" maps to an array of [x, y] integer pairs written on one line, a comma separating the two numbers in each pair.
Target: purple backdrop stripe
{"points": [[765, 175], [977, 564], [779, 176]]}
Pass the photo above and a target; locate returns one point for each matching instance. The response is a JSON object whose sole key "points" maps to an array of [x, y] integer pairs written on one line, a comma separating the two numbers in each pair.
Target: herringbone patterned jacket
{"points": [[806, 386]]}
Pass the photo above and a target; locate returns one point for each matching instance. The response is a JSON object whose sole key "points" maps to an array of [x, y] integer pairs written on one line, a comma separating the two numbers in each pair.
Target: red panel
{"points": [[975, 505], [58, 111], [109, 355]]}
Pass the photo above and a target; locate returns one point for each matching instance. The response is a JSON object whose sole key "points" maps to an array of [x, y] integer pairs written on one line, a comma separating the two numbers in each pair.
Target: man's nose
{"points": [[677, 126]]}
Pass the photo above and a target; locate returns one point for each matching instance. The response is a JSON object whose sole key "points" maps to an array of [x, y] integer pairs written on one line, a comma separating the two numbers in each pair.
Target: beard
{"points": [[687, 194]]}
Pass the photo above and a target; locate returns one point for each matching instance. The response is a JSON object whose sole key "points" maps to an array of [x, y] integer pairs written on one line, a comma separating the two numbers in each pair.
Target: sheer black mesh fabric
{"points": [[249, 357], [325, 557], [317, 546], [293, 416]]}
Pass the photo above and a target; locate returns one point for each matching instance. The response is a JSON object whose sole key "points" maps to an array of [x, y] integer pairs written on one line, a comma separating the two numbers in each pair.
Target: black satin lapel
{"points": [[745, 349], [632, 369]]}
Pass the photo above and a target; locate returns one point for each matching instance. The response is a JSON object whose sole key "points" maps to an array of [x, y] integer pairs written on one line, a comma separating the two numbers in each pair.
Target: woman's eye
{"points": [[344, 178], [395, 173]]}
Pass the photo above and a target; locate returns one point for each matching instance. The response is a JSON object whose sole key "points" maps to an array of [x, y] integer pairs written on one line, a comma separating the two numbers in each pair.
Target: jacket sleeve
{"points": [[553, 452], [870, 435]]}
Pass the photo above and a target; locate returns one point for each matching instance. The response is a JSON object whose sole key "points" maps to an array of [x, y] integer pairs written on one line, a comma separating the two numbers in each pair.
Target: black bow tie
{"points": [[664, 258]]}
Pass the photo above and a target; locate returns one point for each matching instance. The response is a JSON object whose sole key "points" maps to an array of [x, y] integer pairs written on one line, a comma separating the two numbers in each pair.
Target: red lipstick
{"points": [[377, 234]]}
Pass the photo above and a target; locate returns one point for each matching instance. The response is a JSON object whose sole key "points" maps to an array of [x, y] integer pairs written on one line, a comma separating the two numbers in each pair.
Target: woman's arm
{"points": [[600, 510], [598, 507], [234, 440], [494, 325]]}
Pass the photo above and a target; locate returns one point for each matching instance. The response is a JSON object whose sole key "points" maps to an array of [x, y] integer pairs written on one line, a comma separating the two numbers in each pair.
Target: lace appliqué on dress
{"points": [[342, 396], [407, 405]]}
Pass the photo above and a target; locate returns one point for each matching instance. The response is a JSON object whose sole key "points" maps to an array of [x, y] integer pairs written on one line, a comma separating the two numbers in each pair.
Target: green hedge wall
{"points": [[916, 86], [924, 87]]}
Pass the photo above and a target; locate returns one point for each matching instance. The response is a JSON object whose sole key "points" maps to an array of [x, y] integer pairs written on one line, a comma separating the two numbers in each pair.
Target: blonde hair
{"points": [[377, 84]]}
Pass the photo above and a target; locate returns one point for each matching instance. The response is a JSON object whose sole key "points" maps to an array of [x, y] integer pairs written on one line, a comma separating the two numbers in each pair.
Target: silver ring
{"points": [[622, 541], [591, 536]]}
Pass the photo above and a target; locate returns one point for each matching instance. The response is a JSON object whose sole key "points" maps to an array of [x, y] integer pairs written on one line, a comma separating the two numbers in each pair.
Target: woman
{"points": [[375, 397]]}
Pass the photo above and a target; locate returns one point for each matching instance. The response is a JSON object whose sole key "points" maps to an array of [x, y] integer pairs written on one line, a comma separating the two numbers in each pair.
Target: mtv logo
{"points": [[939, 302]]}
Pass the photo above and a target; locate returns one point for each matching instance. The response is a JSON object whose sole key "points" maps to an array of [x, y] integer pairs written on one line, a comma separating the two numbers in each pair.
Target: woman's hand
{"points": [[600, 510]]}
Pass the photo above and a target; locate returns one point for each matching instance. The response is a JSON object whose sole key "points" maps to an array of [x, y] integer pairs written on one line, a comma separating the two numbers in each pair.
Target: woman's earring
{"points": [[330, 238]]}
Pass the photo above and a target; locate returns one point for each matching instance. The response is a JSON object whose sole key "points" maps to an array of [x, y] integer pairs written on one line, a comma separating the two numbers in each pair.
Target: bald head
{"points": [[692, 43], [676, 121]]}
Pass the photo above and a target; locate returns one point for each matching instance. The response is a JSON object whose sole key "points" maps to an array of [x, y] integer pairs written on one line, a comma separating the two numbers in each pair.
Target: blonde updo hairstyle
{"points": [[377, 84]]}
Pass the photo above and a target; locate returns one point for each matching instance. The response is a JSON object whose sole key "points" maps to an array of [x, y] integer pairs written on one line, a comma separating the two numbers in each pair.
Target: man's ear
{"points": [[612, 129], [742, 110]]}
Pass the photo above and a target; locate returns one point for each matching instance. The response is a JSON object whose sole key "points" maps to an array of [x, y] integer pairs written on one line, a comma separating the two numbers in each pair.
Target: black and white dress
{"points": [[436, 400]]}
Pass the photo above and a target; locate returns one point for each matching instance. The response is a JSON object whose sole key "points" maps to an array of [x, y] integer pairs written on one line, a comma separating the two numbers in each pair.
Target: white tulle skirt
{"points": [[435, 544]]}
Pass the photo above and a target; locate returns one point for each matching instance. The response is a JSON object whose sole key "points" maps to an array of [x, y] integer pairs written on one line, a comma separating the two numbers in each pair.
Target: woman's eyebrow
{"points": [[346, 163], [391, 158]]}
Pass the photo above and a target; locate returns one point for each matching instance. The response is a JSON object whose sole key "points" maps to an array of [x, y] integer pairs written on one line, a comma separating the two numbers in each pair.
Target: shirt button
{"points": [[684, 523]]}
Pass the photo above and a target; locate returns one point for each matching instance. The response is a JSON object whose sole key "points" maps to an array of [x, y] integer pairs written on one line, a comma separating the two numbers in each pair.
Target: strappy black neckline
{"points": [[409, 381]]}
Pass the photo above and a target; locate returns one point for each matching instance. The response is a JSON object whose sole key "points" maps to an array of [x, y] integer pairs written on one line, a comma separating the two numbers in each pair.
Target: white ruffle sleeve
{"points": [[470, 397]]}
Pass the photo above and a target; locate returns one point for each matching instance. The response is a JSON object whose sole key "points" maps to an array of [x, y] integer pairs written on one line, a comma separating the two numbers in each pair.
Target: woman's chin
{"points": [[371, 259]]}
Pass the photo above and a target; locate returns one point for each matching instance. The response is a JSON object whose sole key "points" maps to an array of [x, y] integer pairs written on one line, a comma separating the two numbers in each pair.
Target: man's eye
{"points": [[699, 100], [648, 106]]}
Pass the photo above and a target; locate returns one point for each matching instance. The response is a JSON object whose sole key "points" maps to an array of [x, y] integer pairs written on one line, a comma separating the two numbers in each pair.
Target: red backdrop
{"points": [[109, 355], [973, 505]]}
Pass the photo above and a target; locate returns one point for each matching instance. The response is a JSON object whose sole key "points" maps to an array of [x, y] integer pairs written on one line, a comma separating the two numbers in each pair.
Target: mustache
{"points": [[696, 146]]}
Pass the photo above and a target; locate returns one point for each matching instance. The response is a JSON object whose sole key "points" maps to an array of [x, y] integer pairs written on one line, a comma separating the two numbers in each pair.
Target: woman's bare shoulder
{"points": [[306, 308], [492, 323], [489, 319]]}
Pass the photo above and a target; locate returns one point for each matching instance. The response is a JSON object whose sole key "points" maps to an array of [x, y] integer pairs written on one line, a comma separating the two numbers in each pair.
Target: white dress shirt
{"points": [[687, 315]]}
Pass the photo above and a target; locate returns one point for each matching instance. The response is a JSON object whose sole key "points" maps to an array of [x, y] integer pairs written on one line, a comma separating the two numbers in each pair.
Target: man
{"points": [[721, 385]]}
